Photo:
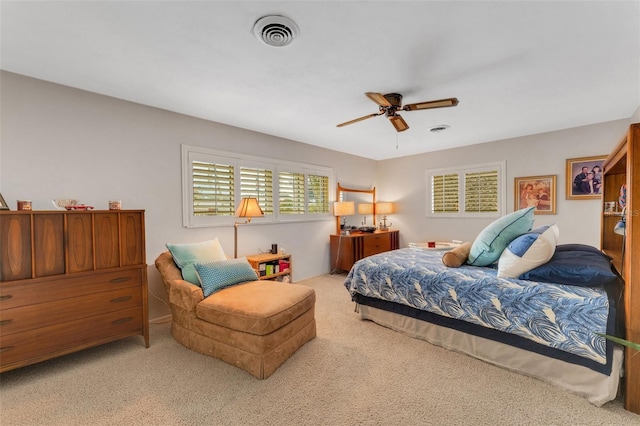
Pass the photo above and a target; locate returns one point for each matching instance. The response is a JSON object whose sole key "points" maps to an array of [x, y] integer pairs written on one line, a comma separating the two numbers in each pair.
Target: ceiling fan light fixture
{"points": [[275, 30]]}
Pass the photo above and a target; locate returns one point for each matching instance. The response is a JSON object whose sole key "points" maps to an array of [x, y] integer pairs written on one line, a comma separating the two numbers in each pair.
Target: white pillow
{"points": [[185, 255], [528, 251]]}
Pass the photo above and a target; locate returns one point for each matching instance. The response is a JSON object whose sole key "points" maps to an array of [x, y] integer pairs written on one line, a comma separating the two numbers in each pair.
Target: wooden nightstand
{"points": [[272, 266], [345, 250]]}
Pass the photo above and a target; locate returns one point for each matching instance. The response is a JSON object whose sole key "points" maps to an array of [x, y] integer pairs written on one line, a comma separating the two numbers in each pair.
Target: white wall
{"points": [[59, 142], [404, 182]]}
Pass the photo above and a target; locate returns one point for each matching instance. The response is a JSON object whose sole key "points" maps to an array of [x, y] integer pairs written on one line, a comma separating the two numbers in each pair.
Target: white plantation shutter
{"points": [[481, 191], [213, 189], [445, 193], [258, 183], [291, 193], [318, 193]]}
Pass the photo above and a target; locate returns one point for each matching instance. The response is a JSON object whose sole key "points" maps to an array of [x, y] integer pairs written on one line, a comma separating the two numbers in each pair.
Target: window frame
{"points": [[462, 171], [190, 153]]}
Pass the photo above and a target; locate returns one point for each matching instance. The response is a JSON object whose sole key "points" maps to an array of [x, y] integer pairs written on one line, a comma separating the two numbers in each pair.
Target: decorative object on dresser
{"points": [[248, 208], [621, 169], [384, 208], [272, 266], [70, 280], [3, 203]]}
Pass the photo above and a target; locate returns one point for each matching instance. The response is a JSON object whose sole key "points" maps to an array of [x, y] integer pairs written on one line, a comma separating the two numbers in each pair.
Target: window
{"points": [[215, 181], [473, 191]]}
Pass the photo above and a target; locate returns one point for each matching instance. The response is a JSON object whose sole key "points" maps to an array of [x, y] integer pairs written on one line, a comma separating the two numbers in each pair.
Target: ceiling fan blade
{"points": [[441, 103], [398, 122], [358, 119], [378, 98]]}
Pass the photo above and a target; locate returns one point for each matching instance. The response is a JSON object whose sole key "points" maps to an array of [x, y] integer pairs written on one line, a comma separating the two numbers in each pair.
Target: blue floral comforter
{"points": [[563, 317]]}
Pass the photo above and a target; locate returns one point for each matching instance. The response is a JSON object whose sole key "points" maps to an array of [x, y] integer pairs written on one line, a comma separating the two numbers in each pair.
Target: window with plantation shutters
{"points": [[481, 191], [291, 193], [214, 182], [258, 183], [318, 194], [444, 194], [472, 191], [213, 189]]}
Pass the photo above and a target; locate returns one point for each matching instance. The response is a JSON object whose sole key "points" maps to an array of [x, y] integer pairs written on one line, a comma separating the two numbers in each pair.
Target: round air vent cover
{"points": [[276, 30]]}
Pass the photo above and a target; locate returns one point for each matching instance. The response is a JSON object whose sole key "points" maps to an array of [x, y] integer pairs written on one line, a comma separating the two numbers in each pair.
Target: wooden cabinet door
{"points": [[15, 247], [80, 243], [48, 240], [107, 240], [132, 237]]}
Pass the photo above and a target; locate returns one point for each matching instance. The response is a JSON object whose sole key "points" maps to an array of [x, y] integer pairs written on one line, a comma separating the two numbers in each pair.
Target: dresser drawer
{"points": [[29, 317], [46, 342], [376, 243], [42, 290]]}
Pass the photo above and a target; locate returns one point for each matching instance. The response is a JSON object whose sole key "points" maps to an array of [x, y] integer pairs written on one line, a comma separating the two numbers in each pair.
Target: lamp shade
{"points": [[384, 208], [365, 208], [344, 208], [249, 207]]}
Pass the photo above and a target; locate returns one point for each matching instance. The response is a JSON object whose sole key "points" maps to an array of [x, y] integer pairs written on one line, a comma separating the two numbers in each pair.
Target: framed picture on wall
{"points": [[584, 177], [537, 191], [3, 203]]}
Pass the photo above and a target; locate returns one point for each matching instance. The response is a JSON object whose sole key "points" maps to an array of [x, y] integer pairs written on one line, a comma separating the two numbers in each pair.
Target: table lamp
{"points": [[343, 209], [384, 208], [248, 208]]}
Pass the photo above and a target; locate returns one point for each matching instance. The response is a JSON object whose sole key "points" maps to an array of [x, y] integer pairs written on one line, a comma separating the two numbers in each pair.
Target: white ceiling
{"points": [[518, 68]]}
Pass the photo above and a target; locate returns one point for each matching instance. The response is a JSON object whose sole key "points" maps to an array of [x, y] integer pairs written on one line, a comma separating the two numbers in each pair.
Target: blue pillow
{"points": [[493, 239], [579, 247], [583, 268], [215, 276], [528, 251], [185, 255]]}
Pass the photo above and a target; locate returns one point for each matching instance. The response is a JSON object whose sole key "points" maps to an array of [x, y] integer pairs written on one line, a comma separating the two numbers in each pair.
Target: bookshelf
{"points": [[271, 266]]}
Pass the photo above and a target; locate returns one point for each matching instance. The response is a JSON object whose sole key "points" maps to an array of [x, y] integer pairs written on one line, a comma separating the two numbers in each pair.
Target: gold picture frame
{"points": [[579, 185], [537, 191]]}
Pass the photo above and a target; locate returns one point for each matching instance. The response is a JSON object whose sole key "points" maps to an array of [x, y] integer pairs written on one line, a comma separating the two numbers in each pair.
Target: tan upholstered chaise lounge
{"points": [[255, 326]]}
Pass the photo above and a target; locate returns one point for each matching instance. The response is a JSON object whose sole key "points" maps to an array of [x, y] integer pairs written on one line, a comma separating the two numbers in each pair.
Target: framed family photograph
{"points": [[538, 191], [584, 177]]}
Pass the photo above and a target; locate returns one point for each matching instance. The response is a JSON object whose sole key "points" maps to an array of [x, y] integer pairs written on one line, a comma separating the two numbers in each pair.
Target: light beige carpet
{"points": [[354, 373]]}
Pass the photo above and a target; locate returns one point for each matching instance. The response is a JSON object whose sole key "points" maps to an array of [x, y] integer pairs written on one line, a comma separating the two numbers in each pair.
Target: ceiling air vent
{"points": [[275, 30]]}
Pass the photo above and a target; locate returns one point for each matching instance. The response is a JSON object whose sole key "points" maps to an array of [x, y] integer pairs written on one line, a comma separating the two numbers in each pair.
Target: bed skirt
{"points": [[598, 388]]}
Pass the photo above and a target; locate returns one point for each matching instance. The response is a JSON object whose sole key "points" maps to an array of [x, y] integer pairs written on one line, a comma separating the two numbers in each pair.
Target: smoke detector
{"points": [[275, 30]]}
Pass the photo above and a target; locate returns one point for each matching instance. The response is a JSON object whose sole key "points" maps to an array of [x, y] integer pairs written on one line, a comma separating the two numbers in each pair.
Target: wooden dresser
{"points": [[348, 249], [70, 280]]}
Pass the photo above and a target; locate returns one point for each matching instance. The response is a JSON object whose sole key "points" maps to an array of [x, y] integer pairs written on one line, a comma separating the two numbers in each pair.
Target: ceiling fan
{"points": [[391, 103]]}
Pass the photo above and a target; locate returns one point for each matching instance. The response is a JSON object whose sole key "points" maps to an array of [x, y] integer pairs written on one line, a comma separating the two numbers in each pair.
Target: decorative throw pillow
{"points": [[493, 239], [215, 276], [586, 268], [456, 257], [185, 255], [528, 251]]}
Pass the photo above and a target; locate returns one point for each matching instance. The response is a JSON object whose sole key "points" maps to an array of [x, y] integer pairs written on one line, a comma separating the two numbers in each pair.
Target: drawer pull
{"points": [[120, 280], [5, 322], [6, 349], [6, 297], [121, 299], [122, 321]]}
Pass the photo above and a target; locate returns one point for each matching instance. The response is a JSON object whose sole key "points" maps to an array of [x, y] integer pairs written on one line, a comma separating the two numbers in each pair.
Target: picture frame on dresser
{"points": [[3, 203], [579, 185]]}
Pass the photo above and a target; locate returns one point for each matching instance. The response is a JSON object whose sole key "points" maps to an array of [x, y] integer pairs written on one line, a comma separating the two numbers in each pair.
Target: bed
{"points": [[541, 329]]}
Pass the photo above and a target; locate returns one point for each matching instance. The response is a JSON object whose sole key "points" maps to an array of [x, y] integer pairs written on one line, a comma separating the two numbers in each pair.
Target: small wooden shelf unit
{"points": [[271, 266]]}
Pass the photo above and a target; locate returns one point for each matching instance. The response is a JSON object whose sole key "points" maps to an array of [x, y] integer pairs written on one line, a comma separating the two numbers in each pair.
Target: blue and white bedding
{"points": [[553, 319]]}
